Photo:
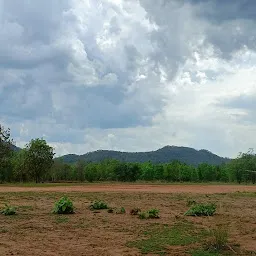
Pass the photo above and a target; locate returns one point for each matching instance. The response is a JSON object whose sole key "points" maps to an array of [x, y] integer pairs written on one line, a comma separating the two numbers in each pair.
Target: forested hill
{"points": [[164, 155]]}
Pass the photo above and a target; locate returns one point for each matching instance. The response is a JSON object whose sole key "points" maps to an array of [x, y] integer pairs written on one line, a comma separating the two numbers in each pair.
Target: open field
{"points": [[36, 231]]}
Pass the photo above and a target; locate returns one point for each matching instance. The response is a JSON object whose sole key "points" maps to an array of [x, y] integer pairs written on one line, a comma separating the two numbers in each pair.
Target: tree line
{"points": [[35, 162]]}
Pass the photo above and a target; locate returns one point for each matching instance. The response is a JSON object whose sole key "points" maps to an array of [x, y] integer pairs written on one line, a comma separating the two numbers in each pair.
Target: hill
{"points": [[164, 155]]}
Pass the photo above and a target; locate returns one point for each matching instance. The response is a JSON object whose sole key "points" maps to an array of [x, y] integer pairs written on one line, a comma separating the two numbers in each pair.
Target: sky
{"points": [[129, 75]]}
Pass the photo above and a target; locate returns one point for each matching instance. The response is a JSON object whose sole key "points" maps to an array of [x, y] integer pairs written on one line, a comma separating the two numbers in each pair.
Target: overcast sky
{"points": [[130, 75]]}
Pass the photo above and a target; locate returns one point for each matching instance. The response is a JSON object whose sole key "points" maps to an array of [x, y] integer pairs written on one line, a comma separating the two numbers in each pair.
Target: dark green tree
{"points": [[6, 144], [39, 158]]}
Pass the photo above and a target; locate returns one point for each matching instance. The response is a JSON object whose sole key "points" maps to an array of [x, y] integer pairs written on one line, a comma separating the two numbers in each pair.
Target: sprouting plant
{"points": [[153, 214], [8, 210], [201, 210], [143, 215], [98, 205], [64, 206]]}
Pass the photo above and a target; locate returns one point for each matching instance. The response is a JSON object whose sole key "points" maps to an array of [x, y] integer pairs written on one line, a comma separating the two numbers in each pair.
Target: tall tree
{"points": [[6, 144], [39, 158]]}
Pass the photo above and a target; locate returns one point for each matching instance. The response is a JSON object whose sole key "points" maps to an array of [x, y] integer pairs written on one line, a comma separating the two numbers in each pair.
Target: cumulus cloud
{"points": [[129, 75]]}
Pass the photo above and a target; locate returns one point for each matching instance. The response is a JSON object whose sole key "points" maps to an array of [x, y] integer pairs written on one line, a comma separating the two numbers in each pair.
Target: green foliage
{"points": [[39, 158], [64, 206], [6, 144], [150, 214], [8, 210], [153, 214], [98, 205], [143, 215], [201, 210], [135, 211]]}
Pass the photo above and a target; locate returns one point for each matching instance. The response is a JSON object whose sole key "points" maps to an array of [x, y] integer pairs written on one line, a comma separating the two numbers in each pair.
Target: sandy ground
{"points": [[196, 189]]}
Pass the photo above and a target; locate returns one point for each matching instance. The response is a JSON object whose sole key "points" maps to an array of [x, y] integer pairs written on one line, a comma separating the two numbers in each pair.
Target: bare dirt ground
{"points": [[36, 231], [196, 189]]}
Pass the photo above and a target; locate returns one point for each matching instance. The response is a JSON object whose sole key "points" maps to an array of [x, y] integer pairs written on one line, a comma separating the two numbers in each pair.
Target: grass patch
{"points": [[204, 253], [161, 236]]}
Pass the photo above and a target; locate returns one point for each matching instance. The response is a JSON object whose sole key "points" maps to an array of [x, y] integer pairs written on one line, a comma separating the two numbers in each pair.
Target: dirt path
{"points": [[200, 189]]}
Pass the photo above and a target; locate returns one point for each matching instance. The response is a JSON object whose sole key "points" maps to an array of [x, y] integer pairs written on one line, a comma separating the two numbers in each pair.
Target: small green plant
{"points": [[201, 210], [98, 205], [219, 238], [151, 214], [121, 211], [143, 215], [8, 210], [64, 206], [135, 211]]}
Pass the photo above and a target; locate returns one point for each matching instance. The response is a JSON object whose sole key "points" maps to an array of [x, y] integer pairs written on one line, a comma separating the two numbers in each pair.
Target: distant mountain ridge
{"points": [[163, 155]]}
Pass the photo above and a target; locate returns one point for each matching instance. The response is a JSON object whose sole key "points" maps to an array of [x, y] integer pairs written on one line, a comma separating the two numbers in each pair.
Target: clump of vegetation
{"points": [[121, 211], [219, 238], [98, 205], [8, 210], [191, 202], [64, 206], [135, 211], [143, 215], [201, 210], [151, 214]]}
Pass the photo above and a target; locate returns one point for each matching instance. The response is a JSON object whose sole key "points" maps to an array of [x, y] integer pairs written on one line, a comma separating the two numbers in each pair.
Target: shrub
{"points": [[151, 214], [8, 210], [135, 211], [63, 206], [143, 215], [98, 205], [201, 210]]}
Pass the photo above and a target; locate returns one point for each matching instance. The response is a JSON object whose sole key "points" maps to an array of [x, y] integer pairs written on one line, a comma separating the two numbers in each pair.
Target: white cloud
{"points": [[128, 75]]}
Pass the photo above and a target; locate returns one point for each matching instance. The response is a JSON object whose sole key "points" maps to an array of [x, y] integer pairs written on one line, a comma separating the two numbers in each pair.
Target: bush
{"points": [[201, 210], [135, 211], [63, 206], [151, 214], [8, 210], [143, 215], [98, 205]]}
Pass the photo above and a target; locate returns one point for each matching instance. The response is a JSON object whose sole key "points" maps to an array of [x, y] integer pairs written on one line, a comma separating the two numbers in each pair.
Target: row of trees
{"points": [[35, 163]]}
